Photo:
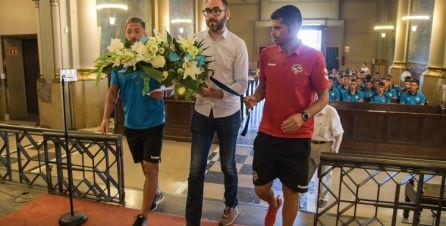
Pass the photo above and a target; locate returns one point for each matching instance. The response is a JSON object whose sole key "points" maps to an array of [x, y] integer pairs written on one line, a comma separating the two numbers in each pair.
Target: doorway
{"points": [[21, 64]]}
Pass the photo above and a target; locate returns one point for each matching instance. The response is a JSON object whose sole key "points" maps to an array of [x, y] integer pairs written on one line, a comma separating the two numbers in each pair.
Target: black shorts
{"points": [[283, 158], [145, 144]]}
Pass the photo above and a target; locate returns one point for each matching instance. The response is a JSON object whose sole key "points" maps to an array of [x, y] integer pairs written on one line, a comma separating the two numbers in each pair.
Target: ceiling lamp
{"points": [[112, 6], [415, 17]]}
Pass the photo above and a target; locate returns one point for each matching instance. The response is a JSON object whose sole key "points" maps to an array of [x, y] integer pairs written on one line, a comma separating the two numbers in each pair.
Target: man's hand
{"points": [[104, 126], [250, 101], [211, 92], [292, 123], [157, 94]]}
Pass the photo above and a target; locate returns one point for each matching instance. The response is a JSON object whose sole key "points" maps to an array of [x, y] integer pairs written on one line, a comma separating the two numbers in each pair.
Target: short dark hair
{"points": [[290, 15], [135, 20], [415, 80], [381, 83], [225, 3]]}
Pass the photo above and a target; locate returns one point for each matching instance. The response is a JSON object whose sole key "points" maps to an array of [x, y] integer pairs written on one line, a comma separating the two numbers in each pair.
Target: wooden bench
{"points": [[409, 131]]}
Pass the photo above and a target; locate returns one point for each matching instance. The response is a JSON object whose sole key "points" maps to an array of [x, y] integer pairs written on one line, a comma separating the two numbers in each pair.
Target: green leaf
{"points": [[153, 73]]}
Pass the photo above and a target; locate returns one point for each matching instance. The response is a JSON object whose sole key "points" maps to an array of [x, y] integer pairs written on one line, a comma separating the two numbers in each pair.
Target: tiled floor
{"points": [[173, 175]]}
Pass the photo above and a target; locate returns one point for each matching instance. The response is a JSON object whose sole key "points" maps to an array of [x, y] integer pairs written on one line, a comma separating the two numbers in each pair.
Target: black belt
{"points": [[320, 142]]}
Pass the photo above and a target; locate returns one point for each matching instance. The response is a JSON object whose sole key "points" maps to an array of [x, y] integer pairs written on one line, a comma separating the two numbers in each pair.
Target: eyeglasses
{"points": [[214, 11]]}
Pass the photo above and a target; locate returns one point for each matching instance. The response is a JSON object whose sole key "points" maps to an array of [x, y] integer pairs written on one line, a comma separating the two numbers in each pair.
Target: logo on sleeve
{"points": [[297, 69]]}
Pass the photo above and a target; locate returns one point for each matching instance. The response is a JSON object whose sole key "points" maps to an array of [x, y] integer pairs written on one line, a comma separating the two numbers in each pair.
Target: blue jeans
{"points": [[203, 129]]}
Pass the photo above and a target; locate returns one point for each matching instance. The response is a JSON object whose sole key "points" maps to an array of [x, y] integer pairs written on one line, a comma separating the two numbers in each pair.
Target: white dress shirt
{"points": [[229, 57], [327, 124]]}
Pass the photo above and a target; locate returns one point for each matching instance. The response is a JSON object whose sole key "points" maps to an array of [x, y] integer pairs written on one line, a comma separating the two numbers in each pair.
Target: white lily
{"points": [[115, 45], [190, 69]]}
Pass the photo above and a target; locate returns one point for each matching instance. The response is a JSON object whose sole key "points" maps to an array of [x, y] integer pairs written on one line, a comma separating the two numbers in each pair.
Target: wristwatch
{"points": [[305, 116]]}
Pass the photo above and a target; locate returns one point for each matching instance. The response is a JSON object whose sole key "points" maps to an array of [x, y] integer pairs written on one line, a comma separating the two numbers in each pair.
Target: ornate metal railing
{"points": [[362, 182], [37, 157]]}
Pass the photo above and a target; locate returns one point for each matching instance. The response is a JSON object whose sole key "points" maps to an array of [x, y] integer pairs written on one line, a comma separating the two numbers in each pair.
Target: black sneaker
{"points": [[140, 220], [157, 199]]}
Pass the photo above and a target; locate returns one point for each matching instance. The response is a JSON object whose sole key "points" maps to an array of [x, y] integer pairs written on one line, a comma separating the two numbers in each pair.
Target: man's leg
{"points": [[290, 206], [227, 131], [150, 185], [202, 136], [267, 194]]}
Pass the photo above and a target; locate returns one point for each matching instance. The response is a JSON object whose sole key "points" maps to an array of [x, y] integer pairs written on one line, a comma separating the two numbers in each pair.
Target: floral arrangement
{"points": [[161, 57]]}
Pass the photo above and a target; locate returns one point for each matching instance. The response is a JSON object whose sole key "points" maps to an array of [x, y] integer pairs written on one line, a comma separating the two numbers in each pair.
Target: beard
{"points": [[216, 25]]}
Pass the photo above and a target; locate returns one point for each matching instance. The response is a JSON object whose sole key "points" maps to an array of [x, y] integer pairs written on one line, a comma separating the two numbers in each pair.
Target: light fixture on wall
{"points": [[383, 29], [177, 21], [416, 17], [112, 20], [110, 9], [112, 6]]}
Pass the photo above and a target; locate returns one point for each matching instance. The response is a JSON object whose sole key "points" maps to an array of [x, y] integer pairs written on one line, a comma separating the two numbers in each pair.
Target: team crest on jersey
{"points": [[297, 69]]}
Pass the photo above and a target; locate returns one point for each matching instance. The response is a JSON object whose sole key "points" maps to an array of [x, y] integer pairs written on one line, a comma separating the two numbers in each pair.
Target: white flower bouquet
{"points": [[161, 57]]}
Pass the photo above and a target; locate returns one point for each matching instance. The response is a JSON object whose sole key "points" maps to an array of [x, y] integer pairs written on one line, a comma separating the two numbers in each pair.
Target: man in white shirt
{"points": [[365, 69], [217, 111], [327, 137]]}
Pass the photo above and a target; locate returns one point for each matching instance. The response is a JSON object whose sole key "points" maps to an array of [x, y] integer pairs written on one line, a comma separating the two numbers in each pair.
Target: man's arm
{"points": [[112, 94], [336, 143], [295, 121], [259, 94], [336, 129]]}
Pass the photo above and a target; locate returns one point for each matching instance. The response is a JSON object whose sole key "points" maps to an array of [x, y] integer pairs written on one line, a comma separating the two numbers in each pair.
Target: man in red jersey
{"points": [[291, 74]]}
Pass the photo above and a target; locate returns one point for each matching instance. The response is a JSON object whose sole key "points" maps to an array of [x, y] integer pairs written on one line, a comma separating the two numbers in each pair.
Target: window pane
{"points": [[111, 21], [311, 38], [181, 17]]}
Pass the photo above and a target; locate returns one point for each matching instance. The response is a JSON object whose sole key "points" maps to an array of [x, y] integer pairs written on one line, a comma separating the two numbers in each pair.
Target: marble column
{"points": [[200, 22], [161, 15], [45, 37], [88, 34], [435, 75], [401, 38]]}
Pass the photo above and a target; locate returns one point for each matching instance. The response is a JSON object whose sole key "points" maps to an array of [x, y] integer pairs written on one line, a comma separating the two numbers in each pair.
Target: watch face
{"points": [[305, 116]]}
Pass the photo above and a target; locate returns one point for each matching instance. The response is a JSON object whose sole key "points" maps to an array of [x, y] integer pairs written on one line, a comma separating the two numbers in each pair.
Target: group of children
{"points": [[362, 87]]}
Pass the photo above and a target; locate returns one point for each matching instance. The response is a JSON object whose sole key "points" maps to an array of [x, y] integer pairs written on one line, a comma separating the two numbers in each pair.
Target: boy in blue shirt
{"points": [[333, 93], [144, 118], [413, 96], [353, 95], [367, 91], [379, 96]]}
